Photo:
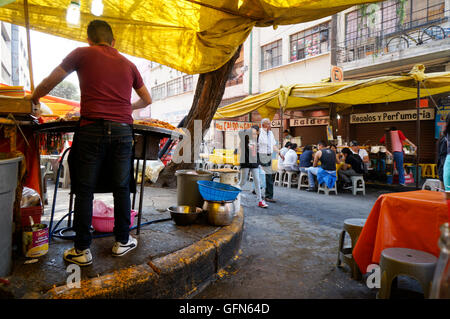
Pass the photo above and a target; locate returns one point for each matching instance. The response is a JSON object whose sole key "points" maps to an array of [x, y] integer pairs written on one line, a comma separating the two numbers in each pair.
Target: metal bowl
{"points": [[184, 215]]}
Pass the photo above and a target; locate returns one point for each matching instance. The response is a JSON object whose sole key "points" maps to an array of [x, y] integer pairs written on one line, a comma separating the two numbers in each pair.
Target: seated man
{"points": [[328, 165], [354, 145], [281, 155], [290, 159], [353, 166], [306, 158]]}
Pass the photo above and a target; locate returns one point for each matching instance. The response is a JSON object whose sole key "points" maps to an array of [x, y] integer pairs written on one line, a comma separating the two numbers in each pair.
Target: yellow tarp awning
{"points": [[376, 90], [193, 36]]}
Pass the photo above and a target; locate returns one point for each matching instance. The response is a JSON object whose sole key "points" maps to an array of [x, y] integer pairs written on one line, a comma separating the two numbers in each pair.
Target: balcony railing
{"points": [[394, 37]]}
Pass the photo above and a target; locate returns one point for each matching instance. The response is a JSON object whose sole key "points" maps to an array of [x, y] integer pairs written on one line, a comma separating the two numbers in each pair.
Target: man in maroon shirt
{"points": [[104, 136]]}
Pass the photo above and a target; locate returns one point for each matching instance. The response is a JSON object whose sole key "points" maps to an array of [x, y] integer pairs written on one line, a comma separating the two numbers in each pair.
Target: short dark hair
{"points": [[293, 146], [347, 151], [307, 148], [354, 143], [287, 144], [323, 143], [100, 31], [256, 127]]}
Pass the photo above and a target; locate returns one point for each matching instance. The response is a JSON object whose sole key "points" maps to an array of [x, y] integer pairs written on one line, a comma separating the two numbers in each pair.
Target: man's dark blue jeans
{"points": [[97, 144]]}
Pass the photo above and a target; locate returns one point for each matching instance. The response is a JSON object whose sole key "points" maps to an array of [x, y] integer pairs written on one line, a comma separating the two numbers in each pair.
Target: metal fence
{"points": [[385, 31]]}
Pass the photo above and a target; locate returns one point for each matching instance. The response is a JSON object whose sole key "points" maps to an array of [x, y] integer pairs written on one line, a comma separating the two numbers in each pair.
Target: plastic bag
{"points": [[100, 209], [152, 170], [30, 198]]}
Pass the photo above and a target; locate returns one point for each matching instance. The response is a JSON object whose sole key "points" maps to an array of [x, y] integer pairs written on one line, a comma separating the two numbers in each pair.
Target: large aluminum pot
{"points": [[219, 213]]}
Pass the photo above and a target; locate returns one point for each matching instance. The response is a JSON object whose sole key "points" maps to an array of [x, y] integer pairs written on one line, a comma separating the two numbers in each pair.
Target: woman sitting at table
{"points": [[339, 156]]}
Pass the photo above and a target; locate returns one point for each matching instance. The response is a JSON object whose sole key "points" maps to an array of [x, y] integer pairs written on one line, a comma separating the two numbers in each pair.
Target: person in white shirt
{"points": [[283, 152], [266, 146], [291, 158]]}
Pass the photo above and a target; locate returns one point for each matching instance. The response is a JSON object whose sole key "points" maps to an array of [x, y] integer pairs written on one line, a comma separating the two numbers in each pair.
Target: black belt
{"points": [[103, 121]]}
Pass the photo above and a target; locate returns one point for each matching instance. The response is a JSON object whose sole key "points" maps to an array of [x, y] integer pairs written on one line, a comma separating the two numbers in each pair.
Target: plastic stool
{"points": [[353, 227], [433, 185], [404, 261], [290, 178], [327, 190], [428, 170], [301, 179], [278, 180], [355, 187]]}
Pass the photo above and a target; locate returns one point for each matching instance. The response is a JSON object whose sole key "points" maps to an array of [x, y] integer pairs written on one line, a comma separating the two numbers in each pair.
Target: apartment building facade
{"points": [[389, 38], [13, 56]]}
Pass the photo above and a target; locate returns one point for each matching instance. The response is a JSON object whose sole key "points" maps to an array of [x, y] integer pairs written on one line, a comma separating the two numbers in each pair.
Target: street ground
{"points": [[290, 249]]}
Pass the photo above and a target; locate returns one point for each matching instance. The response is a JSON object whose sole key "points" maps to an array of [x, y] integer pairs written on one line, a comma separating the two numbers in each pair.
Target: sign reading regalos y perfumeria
{"points": [[392, 116]]}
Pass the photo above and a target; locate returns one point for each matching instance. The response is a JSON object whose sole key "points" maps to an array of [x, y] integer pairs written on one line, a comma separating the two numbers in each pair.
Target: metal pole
{"points": [[418, 134]]}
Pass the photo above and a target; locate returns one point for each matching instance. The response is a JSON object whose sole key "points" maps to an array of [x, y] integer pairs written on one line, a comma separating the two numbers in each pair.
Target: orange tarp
{"points": [[405, 220]]}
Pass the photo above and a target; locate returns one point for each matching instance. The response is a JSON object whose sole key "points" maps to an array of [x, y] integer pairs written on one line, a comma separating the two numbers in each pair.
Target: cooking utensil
{"points": [[184, 215], [219, 213]]}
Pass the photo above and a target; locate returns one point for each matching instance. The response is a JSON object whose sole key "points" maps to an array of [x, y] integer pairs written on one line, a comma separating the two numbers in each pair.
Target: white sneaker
{"points": [[120, 249], [81, 258]]}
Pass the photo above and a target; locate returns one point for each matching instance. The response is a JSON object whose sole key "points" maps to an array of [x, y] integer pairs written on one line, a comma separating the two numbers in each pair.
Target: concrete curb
{"points": [[178, 275]]}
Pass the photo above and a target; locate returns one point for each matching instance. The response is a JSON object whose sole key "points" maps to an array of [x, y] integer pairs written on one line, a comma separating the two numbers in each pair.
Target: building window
{"points": [[5, 75], [188, 83], [159, 92], [5, 35], [310, 42], [271, 55], [175, 87]]}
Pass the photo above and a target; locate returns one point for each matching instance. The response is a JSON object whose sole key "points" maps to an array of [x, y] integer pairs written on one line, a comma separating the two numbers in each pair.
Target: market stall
{"points": [[347, 97]]}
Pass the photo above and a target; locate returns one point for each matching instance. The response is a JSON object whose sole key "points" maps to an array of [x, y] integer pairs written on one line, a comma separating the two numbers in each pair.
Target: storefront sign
{"points": [[276, 123], [310, 121], [392, 116], [232, 126]]}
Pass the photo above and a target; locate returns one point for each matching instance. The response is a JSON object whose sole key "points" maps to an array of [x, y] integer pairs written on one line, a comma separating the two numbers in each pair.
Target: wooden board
{"points": [[15, 105]]}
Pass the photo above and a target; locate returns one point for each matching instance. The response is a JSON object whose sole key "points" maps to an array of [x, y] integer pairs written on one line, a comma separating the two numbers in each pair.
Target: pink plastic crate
{"points": [[105, 224]]}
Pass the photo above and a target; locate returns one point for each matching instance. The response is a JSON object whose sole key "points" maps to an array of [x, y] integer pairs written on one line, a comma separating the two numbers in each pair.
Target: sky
{"points": [[48, 51]]}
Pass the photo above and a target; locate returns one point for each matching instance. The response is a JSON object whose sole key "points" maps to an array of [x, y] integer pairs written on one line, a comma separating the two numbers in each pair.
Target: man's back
{"points": [[106, 81], [328, 160]]}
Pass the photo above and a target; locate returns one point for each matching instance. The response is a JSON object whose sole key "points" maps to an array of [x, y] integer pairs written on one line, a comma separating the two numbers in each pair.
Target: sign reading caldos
{"points": [[392, 116]]}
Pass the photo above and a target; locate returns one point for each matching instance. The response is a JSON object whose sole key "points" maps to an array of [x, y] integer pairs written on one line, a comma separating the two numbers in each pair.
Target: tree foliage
{"points": [[66, 90]]}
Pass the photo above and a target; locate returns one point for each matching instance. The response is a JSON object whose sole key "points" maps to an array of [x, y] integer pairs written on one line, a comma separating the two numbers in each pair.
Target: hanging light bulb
{"points": [[73, 13], [97, 7]]}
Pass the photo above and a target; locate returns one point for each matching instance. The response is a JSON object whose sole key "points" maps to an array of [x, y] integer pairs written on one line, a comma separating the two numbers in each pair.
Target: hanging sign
{"points": [[276, 123], [392, 116], [337, 74], [309, 121]]}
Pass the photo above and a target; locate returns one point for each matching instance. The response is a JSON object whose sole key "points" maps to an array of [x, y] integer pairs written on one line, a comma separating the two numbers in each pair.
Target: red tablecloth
{"points": [[406, 220]]}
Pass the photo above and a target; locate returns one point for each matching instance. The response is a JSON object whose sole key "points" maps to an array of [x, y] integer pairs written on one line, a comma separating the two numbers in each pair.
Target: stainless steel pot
{"points": [[219, 213], [184, 215]]}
